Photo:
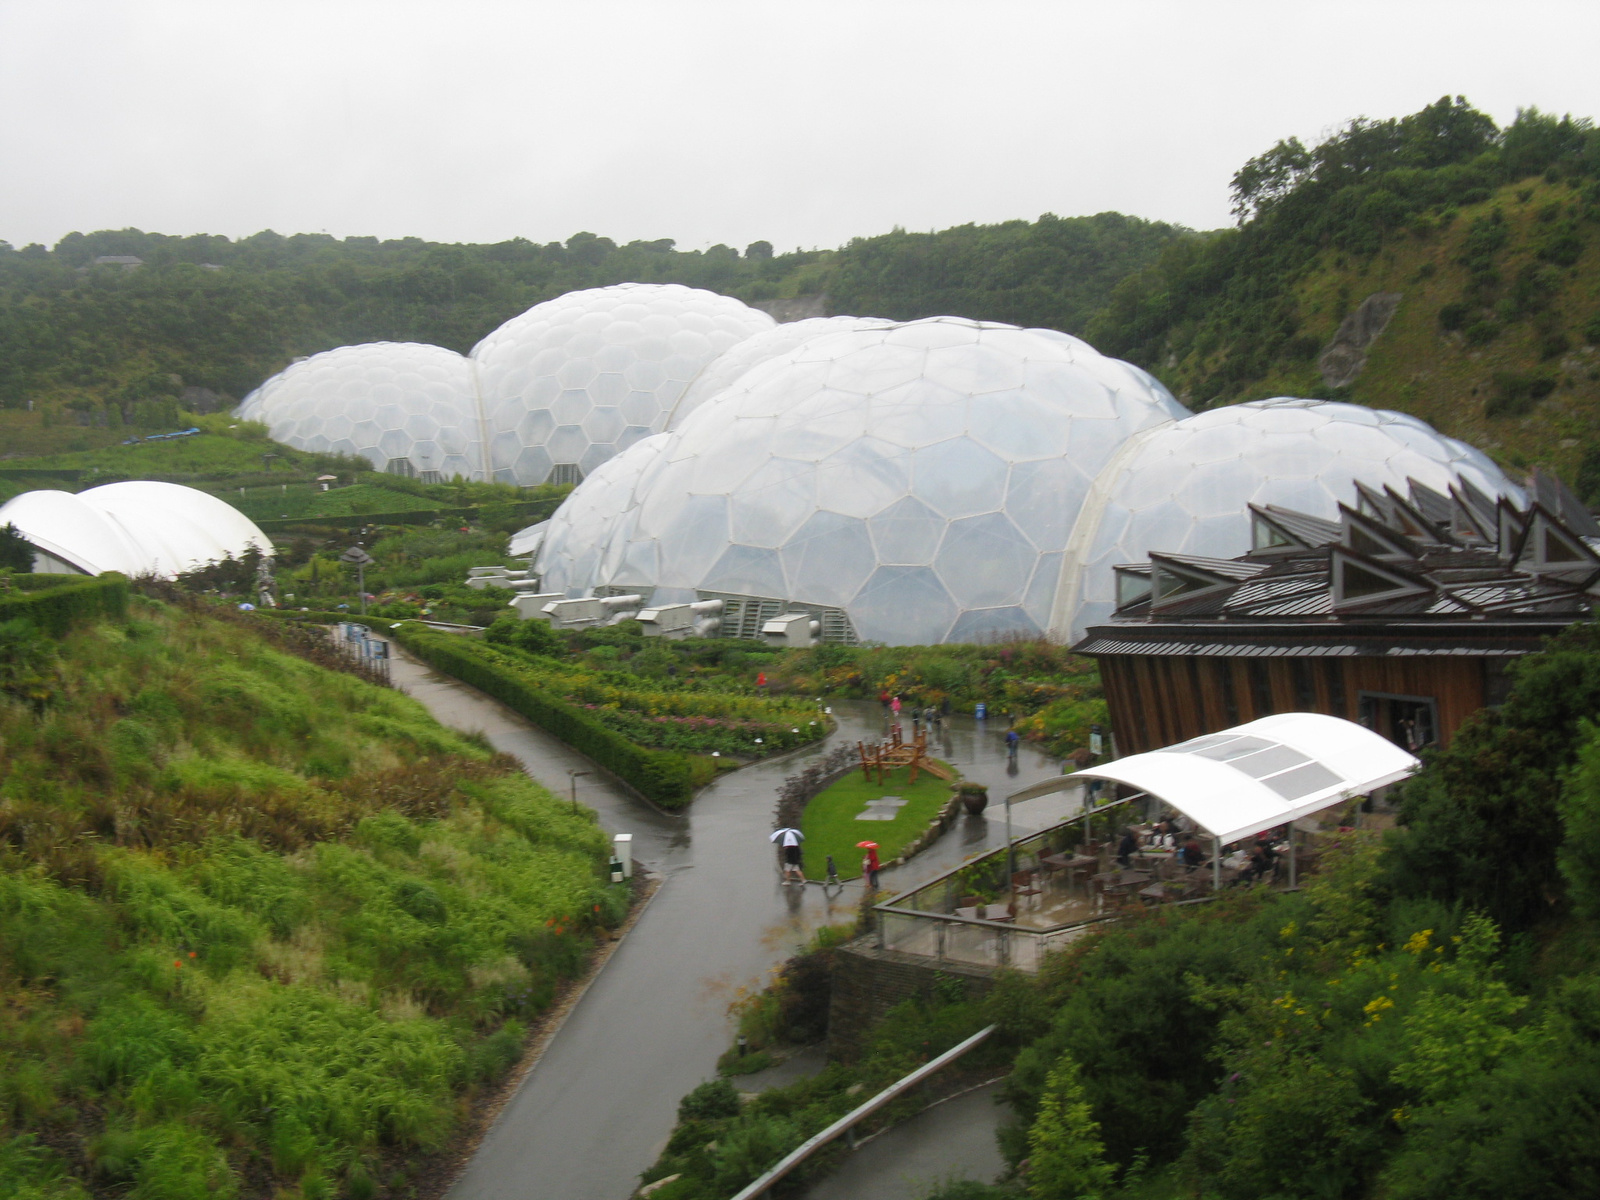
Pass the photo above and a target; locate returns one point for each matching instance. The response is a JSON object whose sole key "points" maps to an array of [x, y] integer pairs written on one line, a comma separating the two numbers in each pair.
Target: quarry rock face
{"points": [[1343, 358]]}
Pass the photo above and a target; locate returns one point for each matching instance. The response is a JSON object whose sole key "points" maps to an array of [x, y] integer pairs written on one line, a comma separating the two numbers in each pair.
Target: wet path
{"points": [[597, 1108], [952, 1141]]}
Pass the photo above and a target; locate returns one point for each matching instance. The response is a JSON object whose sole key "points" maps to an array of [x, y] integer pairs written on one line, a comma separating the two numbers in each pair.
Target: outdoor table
{"points": [[997, 912], [1068, 866], [1156, 892], [970, 913], [1125, 878]]}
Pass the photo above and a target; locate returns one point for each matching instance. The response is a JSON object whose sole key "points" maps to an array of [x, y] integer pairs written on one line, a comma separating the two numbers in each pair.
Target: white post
{"points": [[623, 851], [1216, 863]]}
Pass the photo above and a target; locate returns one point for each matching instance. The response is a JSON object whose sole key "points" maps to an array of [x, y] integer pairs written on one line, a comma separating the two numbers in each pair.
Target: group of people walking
{"points": [[789, 839]]}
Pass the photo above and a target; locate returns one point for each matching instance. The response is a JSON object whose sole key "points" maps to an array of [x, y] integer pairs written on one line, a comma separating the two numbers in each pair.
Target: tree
{"points": [[1481, 825], [15, 552], [1580, 815], [1269, 177], [1067, 1159]]}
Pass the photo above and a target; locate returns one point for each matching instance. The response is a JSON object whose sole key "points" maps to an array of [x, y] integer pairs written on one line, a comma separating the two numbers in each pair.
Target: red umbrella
{"points": [[866, 845]]}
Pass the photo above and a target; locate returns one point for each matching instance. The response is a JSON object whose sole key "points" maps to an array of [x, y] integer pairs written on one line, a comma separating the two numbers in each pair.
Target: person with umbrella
{"points": [[789, 839], [869, 863]]}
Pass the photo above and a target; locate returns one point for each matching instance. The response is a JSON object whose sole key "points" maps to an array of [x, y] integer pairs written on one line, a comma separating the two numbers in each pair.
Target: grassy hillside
{"points": [[265, 929], [1492, 238]]}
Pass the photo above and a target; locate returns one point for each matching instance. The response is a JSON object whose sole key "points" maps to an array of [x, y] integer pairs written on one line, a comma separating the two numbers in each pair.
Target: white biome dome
{"points": [[138, 528], [405, 407], [726, 369], [922, 478], [574, 380], [1184, 488]]}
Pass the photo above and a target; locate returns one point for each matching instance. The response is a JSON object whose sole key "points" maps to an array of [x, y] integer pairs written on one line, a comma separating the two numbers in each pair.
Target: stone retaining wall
{"points": [[868, 982]]}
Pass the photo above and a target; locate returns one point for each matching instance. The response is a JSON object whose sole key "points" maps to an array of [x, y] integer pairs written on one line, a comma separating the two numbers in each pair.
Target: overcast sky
{"points": [[801, 122]]}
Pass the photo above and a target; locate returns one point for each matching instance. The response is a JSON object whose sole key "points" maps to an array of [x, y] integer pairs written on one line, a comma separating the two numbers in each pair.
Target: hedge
{"points": [[56, 609], [524, 511], [664, 776]]}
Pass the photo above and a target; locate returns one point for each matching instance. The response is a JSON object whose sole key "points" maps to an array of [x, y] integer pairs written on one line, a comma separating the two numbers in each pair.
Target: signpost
{"points": [[359, 558]]}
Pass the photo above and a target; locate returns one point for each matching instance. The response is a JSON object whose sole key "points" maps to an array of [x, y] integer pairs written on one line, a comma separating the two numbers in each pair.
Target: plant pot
{"points": [[974, 800]]}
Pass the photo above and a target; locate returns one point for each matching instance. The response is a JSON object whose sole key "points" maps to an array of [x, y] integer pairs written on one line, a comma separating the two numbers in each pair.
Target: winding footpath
{"points": [[597, 1108]]}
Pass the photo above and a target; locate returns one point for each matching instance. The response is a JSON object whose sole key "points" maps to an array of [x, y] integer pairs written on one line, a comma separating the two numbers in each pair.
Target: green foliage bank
{"points": [[265, 930]]}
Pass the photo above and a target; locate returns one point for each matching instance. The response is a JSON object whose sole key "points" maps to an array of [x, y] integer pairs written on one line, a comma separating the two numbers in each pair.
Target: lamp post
{"points": [[1011, 850], [360, 559], [574, 776]]}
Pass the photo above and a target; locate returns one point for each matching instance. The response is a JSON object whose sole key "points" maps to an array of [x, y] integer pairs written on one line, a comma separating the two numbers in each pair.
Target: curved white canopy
{"points": [[1264, 773], [139, 528]]}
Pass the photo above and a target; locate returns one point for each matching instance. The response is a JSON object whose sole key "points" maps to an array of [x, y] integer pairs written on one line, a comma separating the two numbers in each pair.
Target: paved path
{"points": [[955, 1140], [598, 1107]]}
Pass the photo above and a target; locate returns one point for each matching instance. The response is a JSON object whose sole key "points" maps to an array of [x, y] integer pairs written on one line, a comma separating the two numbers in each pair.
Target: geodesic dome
{"points": [[574, 380], [919, 478], [1184, 488], [726, 369], [403, 406], [138, 528]]}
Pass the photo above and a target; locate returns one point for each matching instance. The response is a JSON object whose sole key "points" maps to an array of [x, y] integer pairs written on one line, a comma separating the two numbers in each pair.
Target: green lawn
{"points": [[831, 827]]}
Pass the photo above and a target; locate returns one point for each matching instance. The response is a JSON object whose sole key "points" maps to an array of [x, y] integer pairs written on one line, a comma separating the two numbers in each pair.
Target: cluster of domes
{"points": [[951, 480], [922, 481], [138, 528], [549, 395], [920, 477]]}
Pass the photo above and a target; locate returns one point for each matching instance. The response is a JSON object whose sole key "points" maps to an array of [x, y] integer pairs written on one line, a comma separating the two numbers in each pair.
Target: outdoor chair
{"points": [[1022, 884]]}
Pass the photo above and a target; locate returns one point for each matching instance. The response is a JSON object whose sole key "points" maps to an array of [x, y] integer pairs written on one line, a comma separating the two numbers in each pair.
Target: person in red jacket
{"points": [[870, 867]]}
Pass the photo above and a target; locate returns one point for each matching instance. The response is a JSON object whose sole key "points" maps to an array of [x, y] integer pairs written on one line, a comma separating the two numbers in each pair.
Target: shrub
{"points": [[1453, 316], [712, 1100], [1516, 394]]}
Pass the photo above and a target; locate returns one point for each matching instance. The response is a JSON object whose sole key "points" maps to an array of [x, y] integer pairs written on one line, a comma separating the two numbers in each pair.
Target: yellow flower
{"points": [[1418, 942]]}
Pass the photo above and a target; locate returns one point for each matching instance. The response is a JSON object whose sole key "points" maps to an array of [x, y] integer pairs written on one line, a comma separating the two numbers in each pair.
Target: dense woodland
{"points": [[223, 315]]}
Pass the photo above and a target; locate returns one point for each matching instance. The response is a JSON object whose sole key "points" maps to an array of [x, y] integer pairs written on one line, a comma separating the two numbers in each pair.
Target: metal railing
{"points": [[855, 1116]]}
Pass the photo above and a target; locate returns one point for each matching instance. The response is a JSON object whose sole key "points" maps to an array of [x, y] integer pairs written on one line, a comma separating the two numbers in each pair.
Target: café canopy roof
{"points": [[1264, 773]]}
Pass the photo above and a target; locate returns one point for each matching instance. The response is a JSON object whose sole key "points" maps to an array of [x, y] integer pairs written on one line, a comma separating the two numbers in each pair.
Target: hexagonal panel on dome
{"points": [[984, 562], [907, 532], [959, 478], [903, 606], [828, 559], [632, 346]]}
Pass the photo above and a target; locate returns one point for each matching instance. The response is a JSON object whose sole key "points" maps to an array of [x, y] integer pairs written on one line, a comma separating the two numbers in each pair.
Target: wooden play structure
{"points": [[893, 751]]}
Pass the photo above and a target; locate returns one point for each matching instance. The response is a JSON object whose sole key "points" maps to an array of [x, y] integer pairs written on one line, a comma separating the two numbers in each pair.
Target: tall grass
{"points": [[262, 925]]}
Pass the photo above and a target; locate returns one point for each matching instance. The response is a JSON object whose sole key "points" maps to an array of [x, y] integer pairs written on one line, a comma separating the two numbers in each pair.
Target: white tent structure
{"points": [[141, 527], [1266, 773], [1262, 774]]}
